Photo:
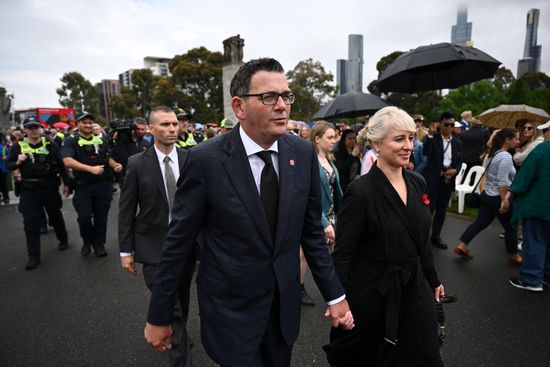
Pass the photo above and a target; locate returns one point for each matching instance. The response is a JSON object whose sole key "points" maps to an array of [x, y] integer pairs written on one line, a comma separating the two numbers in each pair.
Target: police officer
{"points": [[40, 165], [88, 156], [183, 135]]}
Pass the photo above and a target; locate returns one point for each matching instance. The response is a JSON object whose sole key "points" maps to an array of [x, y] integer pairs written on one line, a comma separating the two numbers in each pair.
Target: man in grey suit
{"points": [[145, 205], [267, 184]]}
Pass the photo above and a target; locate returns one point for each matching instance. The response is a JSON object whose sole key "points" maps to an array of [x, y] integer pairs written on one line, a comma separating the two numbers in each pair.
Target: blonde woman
{"points": [[383, 258], [530, 137]]}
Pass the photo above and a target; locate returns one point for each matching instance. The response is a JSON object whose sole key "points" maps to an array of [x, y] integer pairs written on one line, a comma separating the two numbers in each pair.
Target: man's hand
{"points": [[340, 315], [67, 191], [439, 293], [158, 336], [450, 173], [20, 159], [128, 264], [117, 168], [96, 170]]}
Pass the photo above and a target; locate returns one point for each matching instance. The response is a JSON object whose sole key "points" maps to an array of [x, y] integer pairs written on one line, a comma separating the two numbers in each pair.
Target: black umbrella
{"points": [[439, 66], [352, 104]]}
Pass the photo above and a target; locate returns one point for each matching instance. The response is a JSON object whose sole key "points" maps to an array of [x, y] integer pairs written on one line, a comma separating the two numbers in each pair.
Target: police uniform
{"points": [[93, 193], [40, 173]]}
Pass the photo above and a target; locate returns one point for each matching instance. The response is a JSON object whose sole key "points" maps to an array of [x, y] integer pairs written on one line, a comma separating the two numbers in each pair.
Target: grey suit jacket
{"points": [[143, 207]]}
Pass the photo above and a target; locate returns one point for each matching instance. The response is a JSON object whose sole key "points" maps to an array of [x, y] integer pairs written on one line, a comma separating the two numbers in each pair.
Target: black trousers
{"points": [[180, 354], [92, 204], [31, 205], [439, 201], [488, 210]]}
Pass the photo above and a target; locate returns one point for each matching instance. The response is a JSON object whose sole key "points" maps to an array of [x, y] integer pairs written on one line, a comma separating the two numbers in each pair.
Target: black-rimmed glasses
{"points": [[271, 98]]}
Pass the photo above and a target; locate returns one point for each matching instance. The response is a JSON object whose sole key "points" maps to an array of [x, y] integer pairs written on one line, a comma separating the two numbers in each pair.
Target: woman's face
{"points": [[395, 149], [511, 143], [350, 141], [528, 131], [304, 132], [326, 142]]}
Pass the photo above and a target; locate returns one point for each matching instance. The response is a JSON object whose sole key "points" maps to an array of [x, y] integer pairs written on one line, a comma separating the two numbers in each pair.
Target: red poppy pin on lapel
{"points": [[292, 162], [425, 199]]}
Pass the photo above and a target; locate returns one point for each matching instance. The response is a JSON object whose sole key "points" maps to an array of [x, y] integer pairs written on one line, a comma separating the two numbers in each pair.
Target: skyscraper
{"points": [[531, 51], [461, 33], [349, 73]]}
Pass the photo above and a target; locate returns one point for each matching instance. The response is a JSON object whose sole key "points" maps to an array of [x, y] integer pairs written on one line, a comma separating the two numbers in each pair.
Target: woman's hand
{"points": [[504, 206], [329, 234], [439, 293], [356, 152]]}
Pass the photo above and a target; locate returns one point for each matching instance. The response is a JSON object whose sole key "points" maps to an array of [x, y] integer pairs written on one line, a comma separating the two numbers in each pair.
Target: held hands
{"points": [[96, 170], [329, 234], [504, 206], [67, 191], [158, 336], [128, 264], [340, 315], [439, 293]]}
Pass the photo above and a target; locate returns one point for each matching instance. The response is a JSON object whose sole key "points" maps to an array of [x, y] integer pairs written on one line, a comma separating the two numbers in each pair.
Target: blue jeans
{"points": [[536, 252]]}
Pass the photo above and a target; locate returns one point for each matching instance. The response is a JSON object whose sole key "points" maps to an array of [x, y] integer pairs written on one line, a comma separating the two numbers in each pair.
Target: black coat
{"points": [[474, 143], [383, 258]]}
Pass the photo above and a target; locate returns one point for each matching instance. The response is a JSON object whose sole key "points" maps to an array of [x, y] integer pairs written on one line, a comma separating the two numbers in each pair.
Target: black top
{"points": [[348, 166], [81, 149], [474, 143], [384, 261]]}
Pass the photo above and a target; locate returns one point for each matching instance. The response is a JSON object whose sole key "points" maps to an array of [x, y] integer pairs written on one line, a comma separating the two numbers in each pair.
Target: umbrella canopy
{"points": [[352, 104], [439, 66], [61, 125], [506, 115]]}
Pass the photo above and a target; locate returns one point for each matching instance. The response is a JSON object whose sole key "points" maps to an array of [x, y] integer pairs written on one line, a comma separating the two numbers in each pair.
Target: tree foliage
{"points": [[312, 86], [385, 61], [198, 73], [166, 93], [78, 93], [143, 83], [125, 105]]}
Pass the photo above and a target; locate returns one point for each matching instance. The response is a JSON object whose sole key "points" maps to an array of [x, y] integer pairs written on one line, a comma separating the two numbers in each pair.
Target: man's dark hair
{"points": [[447, 115], [158, 109], [240, 84]]}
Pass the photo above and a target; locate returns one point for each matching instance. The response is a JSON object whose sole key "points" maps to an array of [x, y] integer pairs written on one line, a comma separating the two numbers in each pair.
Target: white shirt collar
{"points": [[173, 154], [251, 147]]}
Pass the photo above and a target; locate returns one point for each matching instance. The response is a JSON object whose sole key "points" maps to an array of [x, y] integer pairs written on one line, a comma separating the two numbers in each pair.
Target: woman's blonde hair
{"points": [[318, 130], [386, 119]]}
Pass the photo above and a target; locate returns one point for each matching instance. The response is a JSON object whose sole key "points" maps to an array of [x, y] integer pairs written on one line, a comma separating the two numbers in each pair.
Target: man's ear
{"points": [[237, 104]]}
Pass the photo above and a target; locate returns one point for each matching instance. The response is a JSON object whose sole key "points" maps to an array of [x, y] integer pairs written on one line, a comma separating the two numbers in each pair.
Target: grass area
{"points": [[468, 212]]}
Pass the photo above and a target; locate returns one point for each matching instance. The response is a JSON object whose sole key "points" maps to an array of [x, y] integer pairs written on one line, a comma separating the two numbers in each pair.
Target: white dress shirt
{"points": [[257, 165], [447, 154]]}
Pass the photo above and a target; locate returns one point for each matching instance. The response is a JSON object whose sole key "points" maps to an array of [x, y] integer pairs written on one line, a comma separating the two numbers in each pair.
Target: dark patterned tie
{"points": [[269, 191], [170, 181]]}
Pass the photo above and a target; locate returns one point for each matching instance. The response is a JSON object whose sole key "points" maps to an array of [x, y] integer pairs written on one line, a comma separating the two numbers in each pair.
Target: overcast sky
{"points": [[40, 40]]}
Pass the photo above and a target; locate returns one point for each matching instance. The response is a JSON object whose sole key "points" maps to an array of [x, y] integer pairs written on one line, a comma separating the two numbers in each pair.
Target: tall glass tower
{"points": [[461, 33], [349, 73], [531, 51]]}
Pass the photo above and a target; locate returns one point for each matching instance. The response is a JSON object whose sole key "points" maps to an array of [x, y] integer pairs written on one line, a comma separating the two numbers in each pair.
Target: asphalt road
{"points": [[75, 311]]}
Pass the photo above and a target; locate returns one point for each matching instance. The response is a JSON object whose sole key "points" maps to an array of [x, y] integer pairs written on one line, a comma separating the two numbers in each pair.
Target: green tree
{"points": [[312, 86], [198, 73], [519, 92], [78, 92], [536, 80], [125, 105], [143, 84], [476, 97], [385, 61], [166, 93]]}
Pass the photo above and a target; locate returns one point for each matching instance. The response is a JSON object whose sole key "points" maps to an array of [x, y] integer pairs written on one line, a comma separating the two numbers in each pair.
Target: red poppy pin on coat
{"points": [[292, 162]]}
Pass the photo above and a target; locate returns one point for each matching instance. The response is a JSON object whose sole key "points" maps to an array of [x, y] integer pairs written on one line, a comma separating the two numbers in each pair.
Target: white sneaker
{"points": [[518, 284]]}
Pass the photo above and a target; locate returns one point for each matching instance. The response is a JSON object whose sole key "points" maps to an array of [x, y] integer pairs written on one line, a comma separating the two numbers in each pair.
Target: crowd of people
{"points": [[361, 206]]}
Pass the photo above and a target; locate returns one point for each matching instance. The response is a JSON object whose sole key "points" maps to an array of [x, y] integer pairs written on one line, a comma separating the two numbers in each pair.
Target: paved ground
{"points": [[75, 311]]}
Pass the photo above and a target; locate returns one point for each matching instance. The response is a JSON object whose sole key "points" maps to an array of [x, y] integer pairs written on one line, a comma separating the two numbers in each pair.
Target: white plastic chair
{"points": [[458, 180], [474, 175]]}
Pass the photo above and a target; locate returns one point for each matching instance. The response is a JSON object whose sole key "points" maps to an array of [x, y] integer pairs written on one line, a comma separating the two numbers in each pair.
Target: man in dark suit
{"points": [[474, 144], [145, 203], [444, 158], [267, 184]]}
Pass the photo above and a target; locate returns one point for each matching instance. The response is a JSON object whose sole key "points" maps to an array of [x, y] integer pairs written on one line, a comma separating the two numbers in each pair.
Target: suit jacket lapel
{"points": [[151, 155], [287, 173], [238, 170]]}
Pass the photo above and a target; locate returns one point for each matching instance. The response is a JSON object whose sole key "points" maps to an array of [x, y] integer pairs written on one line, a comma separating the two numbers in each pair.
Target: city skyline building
{"points": [[461, 32], [108, 88], [158, 65], [125, 78], [531, 51], [349, 73]]}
